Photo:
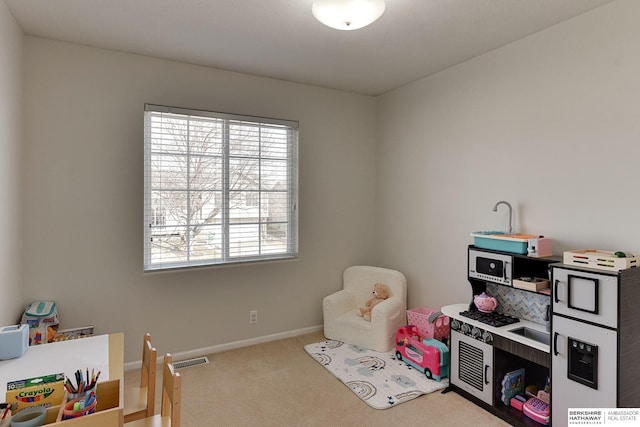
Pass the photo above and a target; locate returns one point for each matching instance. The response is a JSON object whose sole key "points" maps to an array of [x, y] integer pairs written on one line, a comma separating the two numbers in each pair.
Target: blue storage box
{"points": [[14, 341], [497, 241]]}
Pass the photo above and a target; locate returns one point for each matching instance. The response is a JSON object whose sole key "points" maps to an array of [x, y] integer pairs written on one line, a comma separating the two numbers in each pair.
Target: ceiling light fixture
{"points": [[347, 14]]}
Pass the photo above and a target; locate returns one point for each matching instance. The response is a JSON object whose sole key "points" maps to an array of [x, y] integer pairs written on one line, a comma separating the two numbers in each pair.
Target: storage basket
{"points": [[602, 260], [430, 323]]}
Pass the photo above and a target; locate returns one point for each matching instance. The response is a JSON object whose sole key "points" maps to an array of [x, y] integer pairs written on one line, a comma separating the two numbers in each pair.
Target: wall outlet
{"points": [[253, 317]]}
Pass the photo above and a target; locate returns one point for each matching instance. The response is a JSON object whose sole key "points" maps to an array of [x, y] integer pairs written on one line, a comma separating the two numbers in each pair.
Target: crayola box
{"points": [[40, 391]]}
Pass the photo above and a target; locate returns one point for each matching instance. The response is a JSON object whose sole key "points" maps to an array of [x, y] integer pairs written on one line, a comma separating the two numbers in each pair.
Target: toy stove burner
{"points": [[492, 319]]}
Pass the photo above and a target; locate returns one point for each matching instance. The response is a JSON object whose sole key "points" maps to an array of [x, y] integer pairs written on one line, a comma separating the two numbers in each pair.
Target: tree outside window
{"points": [[218, 188]]}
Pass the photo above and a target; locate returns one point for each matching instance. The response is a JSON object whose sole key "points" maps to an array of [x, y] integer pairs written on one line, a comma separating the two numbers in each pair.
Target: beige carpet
{"points": [[278, 384]]}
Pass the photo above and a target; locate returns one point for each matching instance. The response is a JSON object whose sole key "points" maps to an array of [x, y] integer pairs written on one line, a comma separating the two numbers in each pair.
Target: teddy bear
{"points": [[380, 293]]}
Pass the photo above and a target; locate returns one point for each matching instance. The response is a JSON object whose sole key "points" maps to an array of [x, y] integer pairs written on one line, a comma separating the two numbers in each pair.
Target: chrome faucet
{"points": [[495, 209]]}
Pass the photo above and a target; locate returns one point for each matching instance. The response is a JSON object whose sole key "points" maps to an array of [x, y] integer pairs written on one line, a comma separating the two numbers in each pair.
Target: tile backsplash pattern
{"points": [[523, 304]]}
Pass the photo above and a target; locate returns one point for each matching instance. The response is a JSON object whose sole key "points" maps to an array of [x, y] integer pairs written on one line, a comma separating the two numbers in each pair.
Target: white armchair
{"points": [[341, 309]]}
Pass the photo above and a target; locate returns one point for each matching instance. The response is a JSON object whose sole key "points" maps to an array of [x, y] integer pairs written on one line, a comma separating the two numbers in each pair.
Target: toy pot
{"points": [[485, 303]]}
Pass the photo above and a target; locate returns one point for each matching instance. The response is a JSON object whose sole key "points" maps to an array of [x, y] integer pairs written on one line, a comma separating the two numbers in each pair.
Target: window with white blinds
{"points": [[218, 188]]}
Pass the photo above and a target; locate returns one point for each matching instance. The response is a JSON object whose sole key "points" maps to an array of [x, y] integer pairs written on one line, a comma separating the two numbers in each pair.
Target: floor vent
{"points": [[190, 362]]}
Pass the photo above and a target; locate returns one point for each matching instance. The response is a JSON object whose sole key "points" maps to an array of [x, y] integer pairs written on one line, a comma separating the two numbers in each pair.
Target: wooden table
{"points": [[103, 353]]}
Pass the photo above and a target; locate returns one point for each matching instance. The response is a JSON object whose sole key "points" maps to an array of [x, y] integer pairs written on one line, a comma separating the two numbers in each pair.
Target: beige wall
{"points": [[10, 134], [550, 123], [83, 186]]}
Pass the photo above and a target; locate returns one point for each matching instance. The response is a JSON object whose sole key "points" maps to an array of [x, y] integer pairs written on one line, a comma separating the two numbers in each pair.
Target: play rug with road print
{"points": [[379, 379]]}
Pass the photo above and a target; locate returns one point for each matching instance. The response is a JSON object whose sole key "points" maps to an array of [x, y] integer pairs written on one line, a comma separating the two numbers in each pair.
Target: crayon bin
{"points": [[68, 411], [84, 394]]}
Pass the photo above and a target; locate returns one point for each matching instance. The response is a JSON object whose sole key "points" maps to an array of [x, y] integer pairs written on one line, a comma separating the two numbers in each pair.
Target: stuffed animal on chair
{"points": [[380, 293]]}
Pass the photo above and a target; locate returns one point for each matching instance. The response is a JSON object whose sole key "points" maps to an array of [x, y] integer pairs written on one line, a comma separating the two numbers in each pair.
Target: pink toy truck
{"points": [[428, 355]]}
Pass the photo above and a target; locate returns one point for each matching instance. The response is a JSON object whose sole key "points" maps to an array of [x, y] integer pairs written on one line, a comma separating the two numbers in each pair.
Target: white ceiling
{"points": [[281, 39]]}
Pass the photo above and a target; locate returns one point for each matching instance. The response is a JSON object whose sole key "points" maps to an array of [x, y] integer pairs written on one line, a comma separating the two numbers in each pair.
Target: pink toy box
{"points": [[430, 323]]}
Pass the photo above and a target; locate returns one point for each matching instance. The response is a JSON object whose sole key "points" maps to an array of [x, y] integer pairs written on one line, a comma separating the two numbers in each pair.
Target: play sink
{"points": [[515, 236], [541, 337], [515, 243]]}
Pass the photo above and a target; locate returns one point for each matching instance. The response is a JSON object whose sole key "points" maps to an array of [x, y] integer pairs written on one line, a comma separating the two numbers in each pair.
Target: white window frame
{"points": [[157, 147]]}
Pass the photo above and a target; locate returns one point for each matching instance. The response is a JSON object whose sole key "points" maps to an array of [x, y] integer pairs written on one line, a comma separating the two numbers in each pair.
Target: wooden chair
{"points": [[171, 399], [139, 402]]}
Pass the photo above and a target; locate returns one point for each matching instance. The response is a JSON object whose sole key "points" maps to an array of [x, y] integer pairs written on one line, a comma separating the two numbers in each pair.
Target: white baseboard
{"points": [[200, 352]]}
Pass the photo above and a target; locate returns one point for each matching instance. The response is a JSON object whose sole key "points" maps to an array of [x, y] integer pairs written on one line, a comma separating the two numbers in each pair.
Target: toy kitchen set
{"points": [[543, 333]]}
